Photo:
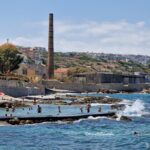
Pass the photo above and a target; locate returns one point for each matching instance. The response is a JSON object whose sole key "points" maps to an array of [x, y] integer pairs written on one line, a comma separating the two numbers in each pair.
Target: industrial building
{"points": [[108, 78]]}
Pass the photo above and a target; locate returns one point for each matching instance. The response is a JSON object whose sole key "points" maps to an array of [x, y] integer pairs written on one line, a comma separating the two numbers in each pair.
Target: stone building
{"points": [[35, 73]]}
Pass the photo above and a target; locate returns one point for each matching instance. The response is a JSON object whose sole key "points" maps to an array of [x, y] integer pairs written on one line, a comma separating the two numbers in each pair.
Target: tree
{"points": [[10, 58]]}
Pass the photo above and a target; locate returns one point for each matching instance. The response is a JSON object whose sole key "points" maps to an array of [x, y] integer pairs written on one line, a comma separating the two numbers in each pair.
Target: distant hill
{"points": [[90, 62]]}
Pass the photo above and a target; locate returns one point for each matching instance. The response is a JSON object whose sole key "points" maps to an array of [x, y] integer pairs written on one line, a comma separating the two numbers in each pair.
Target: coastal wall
{"points": [[90, 78], [95, 87], [21, 91], [19, 88]]}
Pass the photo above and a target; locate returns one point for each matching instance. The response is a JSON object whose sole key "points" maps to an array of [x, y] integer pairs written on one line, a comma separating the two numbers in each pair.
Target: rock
{"points": [[16, 104], [114, 116], [28, 122], [14, 121], [69, 119], [104, 100], [146, 90], [118, 106], [3, 104], [22, 122], [107, 91], [125, 118]]}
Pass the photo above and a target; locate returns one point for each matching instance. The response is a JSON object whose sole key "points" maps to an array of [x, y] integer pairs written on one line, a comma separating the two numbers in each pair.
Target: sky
{"points": [[108, 26]]}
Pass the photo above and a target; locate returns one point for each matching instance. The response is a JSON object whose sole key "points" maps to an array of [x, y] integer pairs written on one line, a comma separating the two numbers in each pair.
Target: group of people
{"points": [[39, 109], [88, 108], [8, 108]]}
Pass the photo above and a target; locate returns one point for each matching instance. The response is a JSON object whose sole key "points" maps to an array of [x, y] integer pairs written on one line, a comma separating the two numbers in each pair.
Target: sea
{"points": [[98, 133]]}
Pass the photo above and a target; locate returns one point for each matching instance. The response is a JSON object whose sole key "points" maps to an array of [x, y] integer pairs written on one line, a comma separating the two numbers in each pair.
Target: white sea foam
{"points": [[93, 118], [136, 109], [95, 104], [125, 101], [107, 96], [80, 120], [98, 134], [89, 118], [118, 117], [100, 104]]}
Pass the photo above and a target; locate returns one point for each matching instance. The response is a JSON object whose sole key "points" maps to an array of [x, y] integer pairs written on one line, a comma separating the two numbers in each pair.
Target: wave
{"points": [[90, 118], [135, 109]]}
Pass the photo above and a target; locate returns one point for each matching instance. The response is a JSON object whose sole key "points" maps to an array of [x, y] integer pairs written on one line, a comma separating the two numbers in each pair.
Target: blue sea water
{"points": [[87, 134]]}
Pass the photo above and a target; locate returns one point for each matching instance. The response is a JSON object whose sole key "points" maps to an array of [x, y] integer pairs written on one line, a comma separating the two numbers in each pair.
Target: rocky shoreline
{"points": [[65, 100], [65, 119], [79, 100]]}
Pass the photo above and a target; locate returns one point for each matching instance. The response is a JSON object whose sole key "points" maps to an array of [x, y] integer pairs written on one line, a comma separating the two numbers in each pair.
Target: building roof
{"points": [[61, 70]]}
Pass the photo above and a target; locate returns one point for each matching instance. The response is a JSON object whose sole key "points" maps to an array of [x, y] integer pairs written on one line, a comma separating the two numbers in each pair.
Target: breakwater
{"points": [[38, 119]]}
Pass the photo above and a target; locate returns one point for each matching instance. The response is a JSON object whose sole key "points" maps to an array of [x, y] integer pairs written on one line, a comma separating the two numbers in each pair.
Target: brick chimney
{"points": [[50, 65]]}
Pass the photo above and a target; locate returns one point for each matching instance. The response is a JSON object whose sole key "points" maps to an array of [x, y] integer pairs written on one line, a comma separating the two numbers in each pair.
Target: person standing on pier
{"points": [[88, 108], [39, 109], [59, 110], [13, 108], [81, 109], [100, 109], [34, 101]]}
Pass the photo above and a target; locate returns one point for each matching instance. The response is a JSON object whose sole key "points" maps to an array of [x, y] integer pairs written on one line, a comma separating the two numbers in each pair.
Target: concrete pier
{"points": [[51, 118]]}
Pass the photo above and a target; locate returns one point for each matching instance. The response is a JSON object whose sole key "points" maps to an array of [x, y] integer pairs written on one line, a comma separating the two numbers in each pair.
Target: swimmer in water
{"points": [[135, 133]]}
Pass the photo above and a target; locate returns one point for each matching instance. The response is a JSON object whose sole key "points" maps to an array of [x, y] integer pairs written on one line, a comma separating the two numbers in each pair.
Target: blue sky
{"points": [[111, 26]]}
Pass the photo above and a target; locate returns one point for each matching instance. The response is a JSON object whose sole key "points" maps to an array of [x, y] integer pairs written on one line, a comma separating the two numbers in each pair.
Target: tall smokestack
{"points": [[50, 48]]}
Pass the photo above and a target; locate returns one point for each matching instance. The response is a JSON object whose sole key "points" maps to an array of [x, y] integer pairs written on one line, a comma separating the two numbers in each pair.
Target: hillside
{"points": [[89, 62], [86, 62]]}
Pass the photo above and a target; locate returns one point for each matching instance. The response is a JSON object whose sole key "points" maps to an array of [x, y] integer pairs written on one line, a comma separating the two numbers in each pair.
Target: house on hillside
{"points": [[61, 73]]}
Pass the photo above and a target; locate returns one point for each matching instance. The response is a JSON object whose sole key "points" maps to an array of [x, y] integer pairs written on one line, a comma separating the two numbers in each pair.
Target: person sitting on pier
{"points": [[39, 109]]}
